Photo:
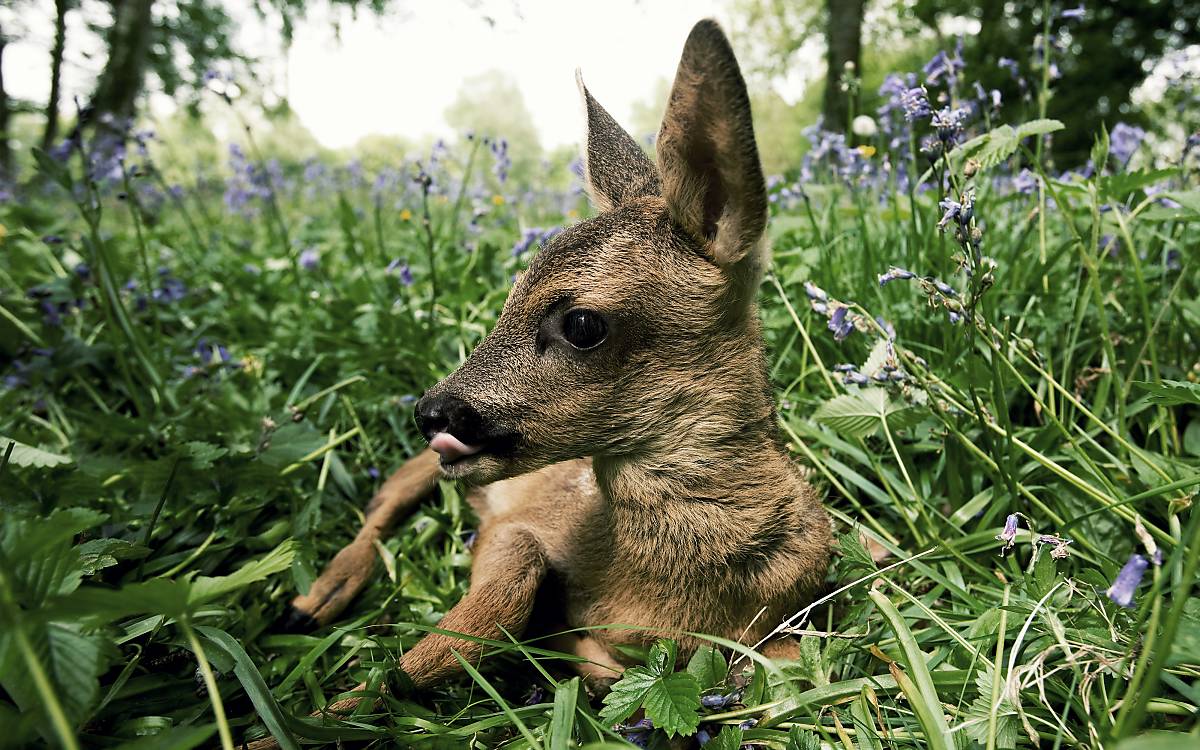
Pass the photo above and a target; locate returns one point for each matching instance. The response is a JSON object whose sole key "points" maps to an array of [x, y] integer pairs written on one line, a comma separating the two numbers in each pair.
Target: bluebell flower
{"points": [[943, 66], [1025, 182], [855, 378], [373, 472], [840, 323], [703, 737], [949, 123], [916, 104], [844, 368], [716, 701], [310, 259], [52, 239], [945, 288], [83, 271], [1125, 586], [1010, 65], [815, 293], [895, 274], [1009, 534], [952, 210], [1073, 13], [1124, 141]]}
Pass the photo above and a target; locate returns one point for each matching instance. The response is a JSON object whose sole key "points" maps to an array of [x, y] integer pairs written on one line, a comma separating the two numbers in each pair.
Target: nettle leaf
{"points": [[998, 144], [1171, 392], [861, 413], [708, 666], [26, 455], [41, 560], [72, 661], [978, 718], [670, 699]]}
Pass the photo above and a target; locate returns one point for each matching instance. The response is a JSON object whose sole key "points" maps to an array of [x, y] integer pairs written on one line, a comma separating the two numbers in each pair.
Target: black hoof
{"points": [[297, 621]]}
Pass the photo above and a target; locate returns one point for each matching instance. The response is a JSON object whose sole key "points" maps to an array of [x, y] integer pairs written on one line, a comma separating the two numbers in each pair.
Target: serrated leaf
{"points": [[976, 723], [802, 739], [708, 666], [41, 560], [1002, 142], [730, 738], [73, 662], [1117, 187], [26, 455], [627, 694], [673, 704], [201, 455], [1171, 392], [856, 560], [861, 413]]}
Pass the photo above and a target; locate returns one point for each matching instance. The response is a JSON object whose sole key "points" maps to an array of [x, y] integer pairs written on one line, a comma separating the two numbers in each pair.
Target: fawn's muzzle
{"points": [[452, 426]]}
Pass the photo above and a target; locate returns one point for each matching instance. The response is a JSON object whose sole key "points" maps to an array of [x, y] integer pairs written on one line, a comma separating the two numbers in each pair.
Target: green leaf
{"points": [[562, 719], [730, 738], [708, 666], [673, 704], [176, 738], [26, 455], [861, 413], [670, 700], [1002, 142], [206, 589], [855, 561], [97, 554], [1117, 187], [1171, 392], [1038, 127], [254, 685], [1189, 200], [976, 724], [201, 455], [72, 661], [802, 739], [661, 658]]}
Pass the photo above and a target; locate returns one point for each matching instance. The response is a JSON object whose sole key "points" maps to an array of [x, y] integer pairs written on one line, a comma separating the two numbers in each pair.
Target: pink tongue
{"points": [[451, 448]]}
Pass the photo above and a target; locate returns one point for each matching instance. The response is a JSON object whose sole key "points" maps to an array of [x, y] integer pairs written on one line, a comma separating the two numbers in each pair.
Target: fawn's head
{"points": [[638, 325]]}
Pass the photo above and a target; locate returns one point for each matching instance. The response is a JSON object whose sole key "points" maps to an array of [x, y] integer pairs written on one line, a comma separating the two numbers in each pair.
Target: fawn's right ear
{"points": [[615, 169]]}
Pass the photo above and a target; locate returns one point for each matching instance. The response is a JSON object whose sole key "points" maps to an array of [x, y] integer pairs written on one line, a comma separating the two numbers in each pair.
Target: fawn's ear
{"points": [[712, 180], [615, 169]]}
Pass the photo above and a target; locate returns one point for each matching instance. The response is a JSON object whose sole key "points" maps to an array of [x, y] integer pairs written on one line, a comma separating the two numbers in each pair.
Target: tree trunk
{"points": [[56, 58], [843, 37], [5, 151], [128, 49]]}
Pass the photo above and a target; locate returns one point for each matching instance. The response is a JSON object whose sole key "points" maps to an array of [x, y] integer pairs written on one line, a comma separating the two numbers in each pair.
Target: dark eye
{"points": [[584, 329]]}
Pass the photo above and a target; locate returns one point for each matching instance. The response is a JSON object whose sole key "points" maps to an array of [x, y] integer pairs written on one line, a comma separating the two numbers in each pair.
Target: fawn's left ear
{"points": [[615, 169], [712, 180]]}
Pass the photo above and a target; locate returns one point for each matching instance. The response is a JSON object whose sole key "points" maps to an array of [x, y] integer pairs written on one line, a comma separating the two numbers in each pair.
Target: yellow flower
{"points": [[573, 214], [405, 215], [252, 366], [867, 151], [497, 200], [3, 232], [443, 199]]}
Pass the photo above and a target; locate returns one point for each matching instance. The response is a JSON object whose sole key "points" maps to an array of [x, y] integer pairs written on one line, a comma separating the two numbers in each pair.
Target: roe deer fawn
{"points": [[617, 427]]}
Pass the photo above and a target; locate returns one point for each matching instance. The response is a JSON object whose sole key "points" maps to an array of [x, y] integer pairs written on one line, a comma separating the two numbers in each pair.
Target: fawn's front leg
{"points": [[351, 568], [509, 566]]}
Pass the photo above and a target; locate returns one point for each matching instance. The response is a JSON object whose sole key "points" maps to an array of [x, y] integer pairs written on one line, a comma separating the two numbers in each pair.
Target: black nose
{"points": [[446, 413]]}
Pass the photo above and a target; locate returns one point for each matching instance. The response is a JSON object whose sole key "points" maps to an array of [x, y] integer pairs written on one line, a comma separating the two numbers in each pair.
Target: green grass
{"points": [[165, 506]]}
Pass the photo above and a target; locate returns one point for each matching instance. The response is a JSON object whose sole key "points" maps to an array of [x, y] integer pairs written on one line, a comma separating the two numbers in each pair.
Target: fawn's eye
{"points": [[584, 329]]}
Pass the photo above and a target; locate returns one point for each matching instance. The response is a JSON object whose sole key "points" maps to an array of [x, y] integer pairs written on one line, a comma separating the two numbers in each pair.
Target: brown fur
{"points": [[647, 475]]}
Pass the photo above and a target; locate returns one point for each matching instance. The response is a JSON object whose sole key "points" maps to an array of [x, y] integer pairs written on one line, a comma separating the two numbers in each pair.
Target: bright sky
{"points": [[397, 74]]}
